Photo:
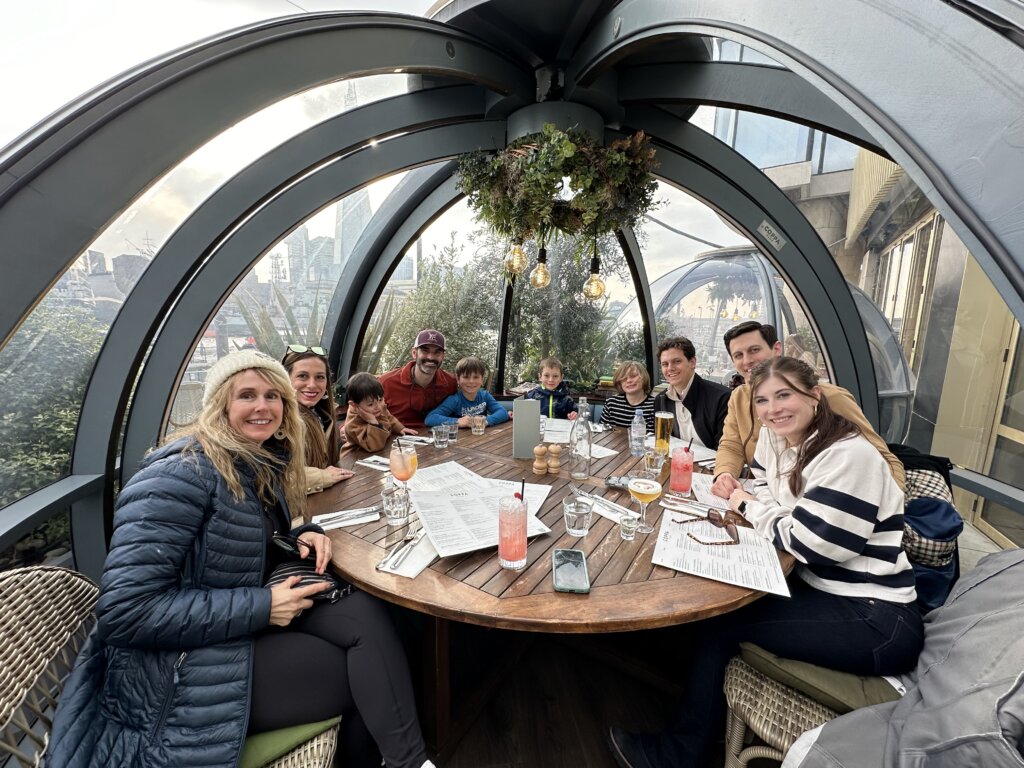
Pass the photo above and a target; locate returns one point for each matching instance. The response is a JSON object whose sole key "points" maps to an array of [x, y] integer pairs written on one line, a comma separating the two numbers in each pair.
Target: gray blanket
{"points": [[966, 704]]}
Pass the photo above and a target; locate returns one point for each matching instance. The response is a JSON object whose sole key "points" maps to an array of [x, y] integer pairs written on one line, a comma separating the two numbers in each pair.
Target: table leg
{"points": [[437, 693]]}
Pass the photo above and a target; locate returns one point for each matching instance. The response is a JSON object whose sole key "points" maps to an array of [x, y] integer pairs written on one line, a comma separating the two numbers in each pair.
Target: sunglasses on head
{"points": [[718, 520], [298, 349]]}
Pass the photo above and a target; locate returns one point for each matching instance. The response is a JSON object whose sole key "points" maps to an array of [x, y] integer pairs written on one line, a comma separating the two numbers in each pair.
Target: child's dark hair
{"points": [[467, 366], [551, 362], [362, 386]]}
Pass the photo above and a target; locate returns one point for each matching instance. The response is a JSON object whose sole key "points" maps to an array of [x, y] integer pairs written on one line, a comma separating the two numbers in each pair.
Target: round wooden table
{"points": [[628, 592]]}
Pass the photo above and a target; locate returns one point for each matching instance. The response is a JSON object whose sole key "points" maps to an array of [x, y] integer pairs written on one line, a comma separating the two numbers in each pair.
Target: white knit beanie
{"points": [[231, 364]]}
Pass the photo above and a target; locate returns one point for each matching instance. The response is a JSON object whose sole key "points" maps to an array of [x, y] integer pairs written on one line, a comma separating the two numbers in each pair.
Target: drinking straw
{"points": [[689, 445], [522, 490]]}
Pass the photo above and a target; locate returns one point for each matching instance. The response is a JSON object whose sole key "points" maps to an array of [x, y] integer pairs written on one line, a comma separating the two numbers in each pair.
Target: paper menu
{"points": [[753, 563], [460, 524], [702, 490]]}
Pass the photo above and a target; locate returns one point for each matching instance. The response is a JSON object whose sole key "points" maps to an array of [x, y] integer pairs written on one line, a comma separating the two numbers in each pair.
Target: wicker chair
{"points": [[773, 712], [45, 615]]}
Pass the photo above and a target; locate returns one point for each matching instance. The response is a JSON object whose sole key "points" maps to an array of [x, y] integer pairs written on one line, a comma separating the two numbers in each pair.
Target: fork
{"points": [[383, 564], [408, 548]]}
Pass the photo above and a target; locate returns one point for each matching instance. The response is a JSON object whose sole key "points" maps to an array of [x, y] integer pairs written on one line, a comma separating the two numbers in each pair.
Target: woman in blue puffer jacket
{"points": [[191, 652]]}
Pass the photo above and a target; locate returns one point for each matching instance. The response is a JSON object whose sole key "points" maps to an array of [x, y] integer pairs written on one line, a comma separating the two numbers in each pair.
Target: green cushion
{"points": [[840, 691], [263, 748]]}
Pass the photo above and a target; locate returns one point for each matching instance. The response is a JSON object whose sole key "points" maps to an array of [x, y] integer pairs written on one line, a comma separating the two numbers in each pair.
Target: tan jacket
{"points": [[739, 438], [318, 449], [371, 437]]}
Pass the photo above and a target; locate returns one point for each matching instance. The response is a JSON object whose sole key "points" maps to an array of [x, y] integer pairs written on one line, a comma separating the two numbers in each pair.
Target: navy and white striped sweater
{"points": [[846, 527]]}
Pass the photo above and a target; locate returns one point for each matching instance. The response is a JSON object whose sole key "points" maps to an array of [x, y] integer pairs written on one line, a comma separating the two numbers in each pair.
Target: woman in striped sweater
{"points": [[826, 496]]}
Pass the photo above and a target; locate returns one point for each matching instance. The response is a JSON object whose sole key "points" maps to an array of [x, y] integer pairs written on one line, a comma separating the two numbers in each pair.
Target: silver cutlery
{"points": [[408, 548], [600, 500], [395, 550], [347, 514]]}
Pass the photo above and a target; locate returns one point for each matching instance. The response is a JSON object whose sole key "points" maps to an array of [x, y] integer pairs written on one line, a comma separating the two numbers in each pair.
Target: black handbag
{"points": [[306, 570]]}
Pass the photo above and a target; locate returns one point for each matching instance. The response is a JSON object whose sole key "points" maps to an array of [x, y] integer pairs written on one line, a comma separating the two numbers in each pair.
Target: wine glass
{"points": [[645, 489], [403, 461]]}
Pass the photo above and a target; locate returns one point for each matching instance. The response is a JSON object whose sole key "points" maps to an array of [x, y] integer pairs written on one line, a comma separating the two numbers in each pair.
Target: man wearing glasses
{"points": [[418, 387]]}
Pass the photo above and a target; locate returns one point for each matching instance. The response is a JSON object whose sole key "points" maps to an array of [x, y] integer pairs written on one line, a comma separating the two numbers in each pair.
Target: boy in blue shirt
{"points": [[553, 393], [470, 400]]}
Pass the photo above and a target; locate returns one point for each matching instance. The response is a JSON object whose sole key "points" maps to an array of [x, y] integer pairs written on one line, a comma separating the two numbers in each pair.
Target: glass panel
{"points": [[137, 234], [284, 298], [768, 141], [1013, 408], [839, 154], [49, 544], [450, 279], [43, 372], [559, 321], [1006, 464], [104, 39]]}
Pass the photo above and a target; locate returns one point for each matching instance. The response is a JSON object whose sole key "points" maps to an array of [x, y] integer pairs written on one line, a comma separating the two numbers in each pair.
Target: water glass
{"points": [[654, 460], [453, 431], [578, 513], [395, 499], [440, 436], [512, 533], [543, 424], [628, 524], [478, 424]]}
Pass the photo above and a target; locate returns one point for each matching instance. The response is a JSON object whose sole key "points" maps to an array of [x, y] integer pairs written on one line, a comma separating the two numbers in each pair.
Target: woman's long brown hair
{"points": [[327, 410], [827, 427]]}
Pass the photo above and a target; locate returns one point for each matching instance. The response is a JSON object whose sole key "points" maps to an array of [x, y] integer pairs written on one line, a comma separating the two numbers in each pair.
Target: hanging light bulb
{"points": [[723, 314], [594, 287], [516, 260], [754, 313], [735, 313], [540, 277]]}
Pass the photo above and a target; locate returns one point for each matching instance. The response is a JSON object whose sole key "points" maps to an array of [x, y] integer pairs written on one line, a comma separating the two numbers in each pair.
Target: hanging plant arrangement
{"points": [[559, 183]]}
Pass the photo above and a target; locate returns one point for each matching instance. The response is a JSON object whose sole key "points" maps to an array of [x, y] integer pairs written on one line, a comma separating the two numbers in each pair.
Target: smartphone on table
{"points": [[569, 571]]}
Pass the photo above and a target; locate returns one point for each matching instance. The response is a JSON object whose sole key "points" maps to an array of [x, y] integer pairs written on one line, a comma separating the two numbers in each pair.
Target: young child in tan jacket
{"points": [[369, 423]]}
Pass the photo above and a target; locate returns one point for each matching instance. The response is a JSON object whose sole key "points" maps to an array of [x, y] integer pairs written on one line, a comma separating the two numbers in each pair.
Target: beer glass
{"points": [[663, 431]]}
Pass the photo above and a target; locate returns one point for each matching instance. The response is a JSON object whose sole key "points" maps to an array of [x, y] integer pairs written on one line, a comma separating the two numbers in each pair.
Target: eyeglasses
{"points": [[298, 349], [718, 520]]}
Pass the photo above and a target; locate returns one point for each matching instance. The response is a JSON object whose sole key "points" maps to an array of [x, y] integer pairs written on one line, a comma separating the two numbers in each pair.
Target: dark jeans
{"points": [[341, 658], [850, 634]]}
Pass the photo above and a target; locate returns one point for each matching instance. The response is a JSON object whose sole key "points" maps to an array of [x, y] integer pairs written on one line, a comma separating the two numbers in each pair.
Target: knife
{"points": [[349, 513], [405, 552]]}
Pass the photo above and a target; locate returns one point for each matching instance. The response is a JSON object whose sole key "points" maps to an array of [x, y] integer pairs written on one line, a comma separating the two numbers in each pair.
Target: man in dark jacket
{"points": [[699, 405]]}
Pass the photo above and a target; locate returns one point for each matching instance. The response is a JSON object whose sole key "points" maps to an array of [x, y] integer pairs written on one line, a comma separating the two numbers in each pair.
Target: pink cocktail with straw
{"points": [[512, 533]]}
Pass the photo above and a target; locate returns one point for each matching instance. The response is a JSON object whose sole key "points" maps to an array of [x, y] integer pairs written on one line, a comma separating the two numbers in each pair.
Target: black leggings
{"points": [[341, 658]]}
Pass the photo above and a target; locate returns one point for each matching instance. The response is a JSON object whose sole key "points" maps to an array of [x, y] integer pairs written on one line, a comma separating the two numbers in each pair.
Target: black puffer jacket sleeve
{"points": [[159, 534]]}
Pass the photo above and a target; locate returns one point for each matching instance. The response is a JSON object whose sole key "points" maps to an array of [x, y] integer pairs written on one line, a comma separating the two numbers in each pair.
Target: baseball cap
{"points": [[429, 336]]}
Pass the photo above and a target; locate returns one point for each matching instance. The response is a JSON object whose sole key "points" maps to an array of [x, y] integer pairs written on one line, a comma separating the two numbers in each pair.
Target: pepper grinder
{"points": [[554, 458], [540, 463]]}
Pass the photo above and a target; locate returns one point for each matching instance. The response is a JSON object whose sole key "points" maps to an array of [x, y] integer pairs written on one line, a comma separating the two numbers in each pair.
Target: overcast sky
{"points": [[56, 50]]}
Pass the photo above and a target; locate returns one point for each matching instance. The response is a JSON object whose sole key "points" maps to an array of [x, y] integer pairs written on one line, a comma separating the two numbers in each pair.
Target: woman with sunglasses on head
{"points": [[191, 651], [824, 494], [314, 386]]}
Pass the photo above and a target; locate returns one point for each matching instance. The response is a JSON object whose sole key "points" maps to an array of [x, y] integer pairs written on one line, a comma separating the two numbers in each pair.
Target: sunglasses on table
{"points": [[298, 349], [718, 520], [290, 544]]}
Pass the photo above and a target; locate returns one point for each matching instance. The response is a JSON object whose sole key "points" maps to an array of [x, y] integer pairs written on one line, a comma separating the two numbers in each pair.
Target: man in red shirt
{"points": [[418, 387]]}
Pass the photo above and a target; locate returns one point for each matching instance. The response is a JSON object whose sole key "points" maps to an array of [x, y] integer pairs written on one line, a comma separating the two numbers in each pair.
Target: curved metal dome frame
{"points": [[85, 165]]}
